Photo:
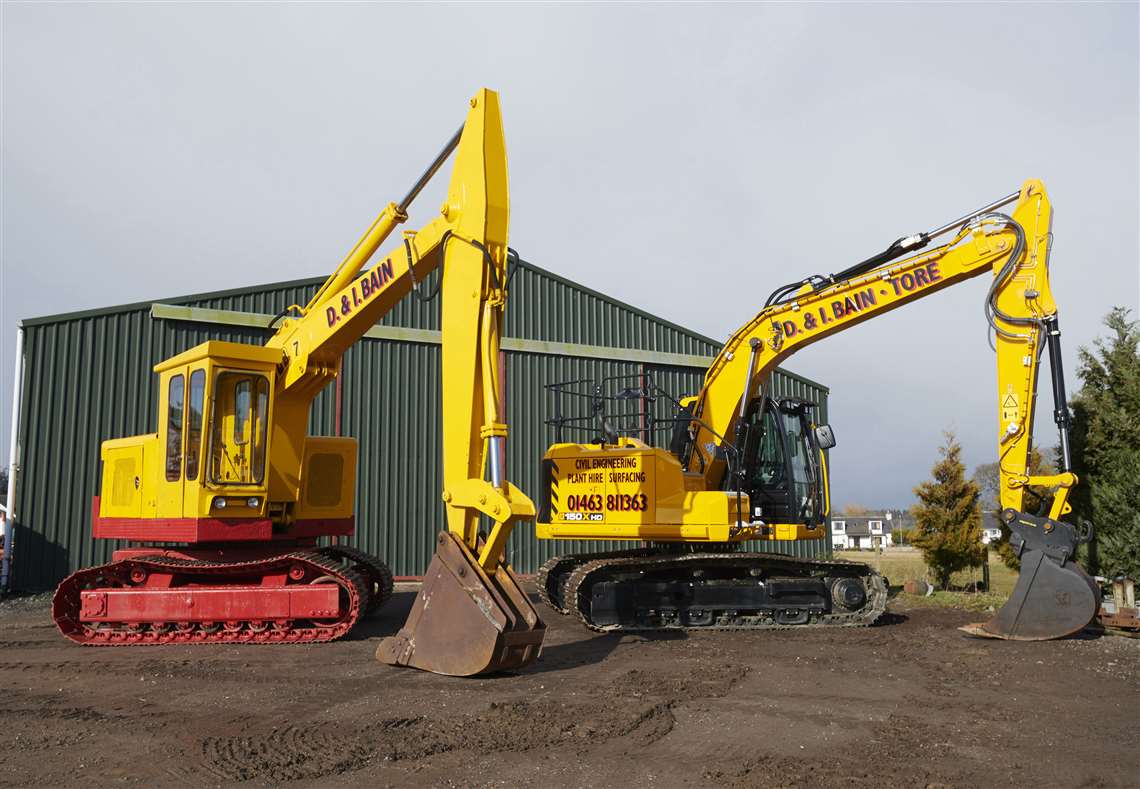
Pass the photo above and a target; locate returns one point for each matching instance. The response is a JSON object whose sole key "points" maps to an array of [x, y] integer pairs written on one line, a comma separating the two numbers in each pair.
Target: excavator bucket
{"points": [[1054, 597], [465, 622]]}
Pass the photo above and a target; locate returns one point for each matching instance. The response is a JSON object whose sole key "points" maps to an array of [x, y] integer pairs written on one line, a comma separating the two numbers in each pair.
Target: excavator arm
{"points": [[471, 616], [1022, 314], [470, 234], [822, 306]]}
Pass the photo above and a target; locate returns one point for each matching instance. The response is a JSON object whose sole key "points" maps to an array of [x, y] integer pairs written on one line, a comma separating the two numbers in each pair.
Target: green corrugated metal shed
{"points": [[87, 377]]}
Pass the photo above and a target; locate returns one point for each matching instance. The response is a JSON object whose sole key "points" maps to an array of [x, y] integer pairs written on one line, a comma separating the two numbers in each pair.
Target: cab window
{"points": [[174, 428], [241, 410], [770, 469], [239, 428], [260, 425], [803, 471], [764, 451], [194, 423]]}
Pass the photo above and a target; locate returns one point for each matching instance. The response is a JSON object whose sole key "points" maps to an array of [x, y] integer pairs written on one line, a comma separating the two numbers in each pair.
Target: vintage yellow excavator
{"points": [[231, 495], [743, 466]]}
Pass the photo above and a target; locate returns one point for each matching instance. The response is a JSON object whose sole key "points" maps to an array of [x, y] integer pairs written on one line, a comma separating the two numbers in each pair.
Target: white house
{"points": [[854, 532], [991, 529]]}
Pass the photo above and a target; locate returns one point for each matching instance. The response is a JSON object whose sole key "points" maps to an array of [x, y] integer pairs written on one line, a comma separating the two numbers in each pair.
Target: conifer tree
{"points": [[948, 520], [1106, 446]]}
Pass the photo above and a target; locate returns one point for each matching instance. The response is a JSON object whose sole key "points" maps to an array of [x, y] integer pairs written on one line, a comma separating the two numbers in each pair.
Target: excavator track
{"points": [[378, 574], [721, 591], [552, 576], [319, 565]]}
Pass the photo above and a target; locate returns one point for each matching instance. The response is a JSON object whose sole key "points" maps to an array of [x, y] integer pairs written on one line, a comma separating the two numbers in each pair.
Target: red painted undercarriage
{"points": [[270, 589]]}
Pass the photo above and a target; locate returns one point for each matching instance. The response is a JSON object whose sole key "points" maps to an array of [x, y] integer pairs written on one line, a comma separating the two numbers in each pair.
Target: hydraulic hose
{"points": [[992, 311], [899, 248]]}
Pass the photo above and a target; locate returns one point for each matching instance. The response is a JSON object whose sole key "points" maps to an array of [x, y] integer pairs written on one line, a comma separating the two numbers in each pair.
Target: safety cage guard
{"points": [[630, 405]]}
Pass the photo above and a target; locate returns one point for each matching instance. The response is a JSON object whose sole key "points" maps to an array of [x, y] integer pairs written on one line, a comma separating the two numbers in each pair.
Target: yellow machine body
{"points": [[637, 492], [634, 492], [232, 460], [213, 445], [233, 418]]}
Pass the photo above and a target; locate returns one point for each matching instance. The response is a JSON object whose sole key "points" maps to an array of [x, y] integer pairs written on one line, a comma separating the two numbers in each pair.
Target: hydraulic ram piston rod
{"points": [[996, 204], [430, 172]]}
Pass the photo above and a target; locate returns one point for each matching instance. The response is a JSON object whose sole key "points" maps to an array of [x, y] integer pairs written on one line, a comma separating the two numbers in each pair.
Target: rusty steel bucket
{"points": [[465, 622], [1054, 597]]}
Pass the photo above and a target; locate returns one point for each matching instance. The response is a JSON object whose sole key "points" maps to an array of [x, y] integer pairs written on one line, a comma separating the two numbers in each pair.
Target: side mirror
{"points": [[824, 436]]}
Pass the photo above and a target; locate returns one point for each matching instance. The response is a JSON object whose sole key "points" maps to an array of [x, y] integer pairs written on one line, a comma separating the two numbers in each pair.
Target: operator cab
{"points": [[208, 465], [207, 460], [782, 462]]}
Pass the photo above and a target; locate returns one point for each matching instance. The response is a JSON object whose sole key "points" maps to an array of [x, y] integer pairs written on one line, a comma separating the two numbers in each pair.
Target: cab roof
{"points": [[220, 350]]}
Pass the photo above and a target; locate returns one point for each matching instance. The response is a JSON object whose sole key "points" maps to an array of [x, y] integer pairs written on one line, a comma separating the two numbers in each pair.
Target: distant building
{"points": [[856, 532], [991, 530]]}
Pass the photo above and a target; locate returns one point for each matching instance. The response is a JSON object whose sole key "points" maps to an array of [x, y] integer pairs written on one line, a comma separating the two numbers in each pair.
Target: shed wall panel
{"points": [[88, 377]]}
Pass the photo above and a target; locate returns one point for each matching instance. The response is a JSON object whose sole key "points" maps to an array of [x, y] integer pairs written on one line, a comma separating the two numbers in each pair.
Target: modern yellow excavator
{"points": [[231, 494], [742, 466]]}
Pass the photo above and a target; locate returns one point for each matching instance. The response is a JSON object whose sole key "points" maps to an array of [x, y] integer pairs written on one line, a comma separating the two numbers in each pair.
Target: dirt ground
{"points": [[911, 702]]}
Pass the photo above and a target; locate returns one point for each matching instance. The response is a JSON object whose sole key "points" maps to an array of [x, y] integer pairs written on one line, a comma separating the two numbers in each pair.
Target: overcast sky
{"points": [[686, 159]]}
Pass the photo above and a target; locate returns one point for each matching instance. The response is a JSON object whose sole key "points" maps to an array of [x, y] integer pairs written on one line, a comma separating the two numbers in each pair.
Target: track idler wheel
{"points": [[465, 622], [849, 594], [1054, 597]]}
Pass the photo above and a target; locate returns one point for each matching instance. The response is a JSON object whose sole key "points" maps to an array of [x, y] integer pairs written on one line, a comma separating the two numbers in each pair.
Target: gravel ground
{"points": [[911, 702]]}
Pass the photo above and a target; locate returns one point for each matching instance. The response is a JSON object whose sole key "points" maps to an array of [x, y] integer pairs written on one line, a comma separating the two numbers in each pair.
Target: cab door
{"points": [[768, 479], [238, 442], [193, 442], [783, 473], [171, 437]]}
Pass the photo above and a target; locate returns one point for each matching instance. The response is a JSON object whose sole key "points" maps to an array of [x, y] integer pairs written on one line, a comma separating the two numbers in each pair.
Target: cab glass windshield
{"points": [[238, 434]]}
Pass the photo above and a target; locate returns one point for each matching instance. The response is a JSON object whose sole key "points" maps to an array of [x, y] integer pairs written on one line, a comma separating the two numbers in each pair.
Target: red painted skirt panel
{"points": [[206, 604]]}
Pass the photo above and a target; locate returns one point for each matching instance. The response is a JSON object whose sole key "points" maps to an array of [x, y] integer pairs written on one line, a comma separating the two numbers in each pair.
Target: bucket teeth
{"points": [[465, 622], [1054, 597]]}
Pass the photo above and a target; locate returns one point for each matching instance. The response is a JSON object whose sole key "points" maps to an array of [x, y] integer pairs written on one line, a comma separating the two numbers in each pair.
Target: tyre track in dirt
{"points": [[638, 707], [323, 749]]}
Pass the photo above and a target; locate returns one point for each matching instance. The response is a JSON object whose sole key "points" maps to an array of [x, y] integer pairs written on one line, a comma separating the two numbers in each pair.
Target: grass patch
{"points": [[980, 602], [900, 565]]}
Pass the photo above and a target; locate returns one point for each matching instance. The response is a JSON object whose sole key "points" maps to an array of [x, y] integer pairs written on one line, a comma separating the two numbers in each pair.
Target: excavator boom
{"points": [[716, 483], [470, 617]]}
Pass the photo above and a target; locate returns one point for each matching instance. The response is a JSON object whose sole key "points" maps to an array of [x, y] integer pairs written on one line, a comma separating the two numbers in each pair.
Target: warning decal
{"points": [[1009, 407]]}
